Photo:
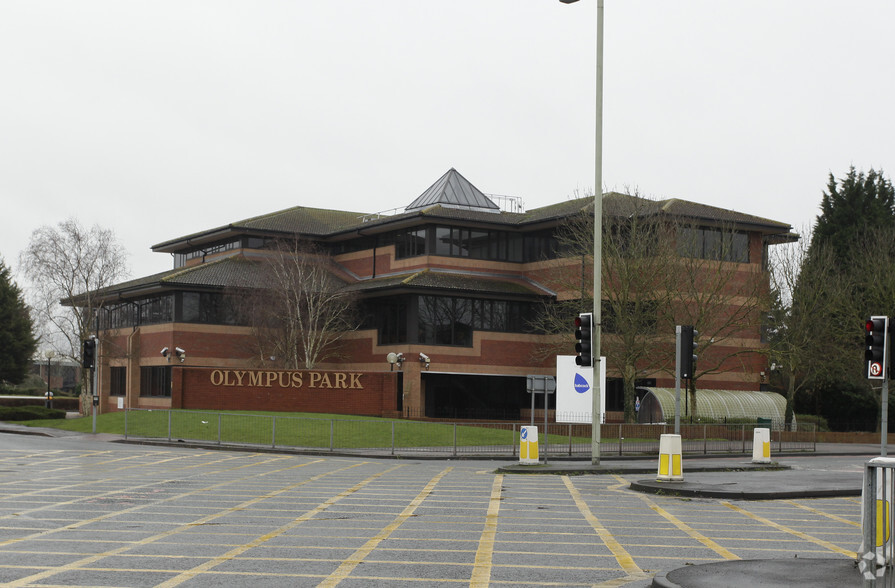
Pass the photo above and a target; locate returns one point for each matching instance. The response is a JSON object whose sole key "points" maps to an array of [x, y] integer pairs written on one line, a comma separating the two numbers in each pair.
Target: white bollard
{"points": [[670, 466], [761, 446], [528, 446]]}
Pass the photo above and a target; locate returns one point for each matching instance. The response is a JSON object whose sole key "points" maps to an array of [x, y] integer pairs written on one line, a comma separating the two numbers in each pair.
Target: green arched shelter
{"points": [[657, 405]]}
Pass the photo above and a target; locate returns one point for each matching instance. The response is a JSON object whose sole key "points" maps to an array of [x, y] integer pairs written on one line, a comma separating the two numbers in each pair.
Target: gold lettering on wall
{"points": [[286, 379]]}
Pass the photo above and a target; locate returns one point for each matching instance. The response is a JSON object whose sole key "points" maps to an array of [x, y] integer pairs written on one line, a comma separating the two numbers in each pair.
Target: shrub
{"points": [[29, 413], [819, 421]]}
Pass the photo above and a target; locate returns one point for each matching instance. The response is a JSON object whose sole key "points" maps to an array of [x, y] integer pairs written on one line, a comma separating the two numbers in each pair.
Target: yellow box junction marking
{"points": [[110, 493], [823, 514], [481, 571], [690, 531], [94, 558], [622, 556], [353, 560], [799, 534]]}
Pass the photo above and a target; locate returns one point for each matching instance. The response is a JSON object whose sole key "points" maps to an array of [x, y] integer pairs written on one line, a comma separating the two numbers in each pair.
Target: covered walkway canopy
{"points": [[657, 405]]}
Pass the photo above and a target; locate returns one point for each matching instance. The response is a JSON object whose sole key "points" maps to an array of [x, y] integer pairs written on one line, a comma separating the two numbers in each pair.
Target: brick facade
{"points": [[320, 391]]}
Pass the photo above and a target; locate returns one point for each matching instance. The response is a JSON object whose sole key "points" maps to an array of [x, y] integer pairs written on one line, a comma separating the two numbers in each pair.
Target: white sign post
{"points": [[574, 391]]}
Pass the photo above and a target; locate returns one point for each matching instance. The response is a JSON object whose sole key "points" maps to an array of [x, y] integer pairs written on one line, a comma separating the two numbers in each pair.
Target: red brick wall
{"points": [[339, 392]]}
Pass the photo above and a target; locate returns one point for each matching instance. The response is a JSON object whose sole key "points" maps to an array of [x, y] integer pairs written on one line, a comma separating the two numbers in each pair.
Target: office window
{"points": [[118, 381], [155, 381], [709, 243]]}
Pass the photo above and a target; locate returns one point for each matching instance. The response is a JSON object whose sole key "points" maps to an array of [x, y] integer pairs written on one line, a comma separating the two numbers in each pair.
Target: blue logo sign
{"points": [[581, 385]]}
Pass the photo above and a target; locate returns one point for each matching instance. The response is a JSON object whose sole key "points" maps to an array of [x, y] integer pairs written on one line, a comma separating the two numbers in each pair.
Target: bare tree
{"points": [[301, 309], [725, 298], [799, 338], [71, 263], [638, 252]]}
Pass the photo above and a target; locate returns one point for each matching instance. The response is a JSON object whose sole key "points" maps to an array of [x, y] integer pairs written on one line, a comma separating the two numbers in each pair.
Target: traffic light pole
{"points": [[677, 380], [884, 404], [93, 378], [884, 417], [876, 366]]}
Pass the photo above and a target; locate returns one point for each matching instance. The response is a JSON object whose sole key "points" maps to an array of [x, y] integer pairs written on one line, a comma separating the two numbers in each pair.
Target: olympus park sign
{"points": [[286, 379]]}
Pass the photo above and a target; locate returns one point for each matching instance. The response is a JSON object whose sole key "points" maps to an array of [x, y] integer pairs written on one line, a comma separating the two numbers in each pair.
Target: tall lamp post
{"points": [[49, 401], [598, 241]]}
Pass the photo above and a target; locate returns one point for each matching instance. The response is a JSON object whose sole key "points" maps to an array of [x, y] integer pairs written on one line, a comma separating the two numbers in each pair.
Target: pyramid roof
{"points": [[452, 190]]}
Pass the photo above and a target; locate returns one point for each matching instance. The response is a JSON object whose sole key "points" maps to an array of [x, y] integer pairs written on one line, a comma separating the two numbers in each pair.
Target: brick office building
{"points": [[447, 285]]}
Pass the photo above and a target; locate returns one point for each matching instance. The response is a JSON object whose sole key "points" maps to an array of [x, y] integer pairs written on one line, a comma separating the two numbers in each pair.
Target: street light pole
{"points": [[49, 401], [598, 242]]}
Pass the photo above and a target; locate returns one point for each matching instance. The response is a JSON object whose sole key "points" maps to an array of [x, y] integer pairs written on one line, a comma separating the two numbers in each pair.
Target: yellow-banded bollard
{"points": [[528, 446], [761, 446], [670, 466]]}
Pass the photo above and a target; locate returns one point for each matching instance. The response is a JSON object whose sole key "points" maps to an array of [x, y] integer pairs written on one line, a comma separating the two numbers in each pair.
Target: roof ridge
{"points": [[414, 276]]}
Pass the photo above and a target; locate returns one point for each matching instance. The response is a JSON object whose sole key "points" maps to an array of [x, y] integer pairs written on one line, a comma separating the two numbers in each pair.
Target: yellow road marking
{"points": [[94, 558], [481, 571], [799, 534], [353, 560], [189, 574], [823, 514], [622, 556], [110, 493], [133, 508]]}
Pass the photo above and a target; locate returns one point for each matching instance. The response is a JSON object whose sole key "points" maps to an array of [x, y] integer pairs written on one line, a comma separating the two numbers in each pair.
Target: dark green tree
{"points": [[853, 239], [855, 206], [17, 341]]}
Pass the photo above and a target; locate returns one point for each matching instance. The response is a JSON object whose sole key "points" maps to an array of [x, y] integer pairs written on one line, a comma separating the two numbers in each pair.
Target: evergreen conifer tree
{"points": [[17, 341], [858, 205]]}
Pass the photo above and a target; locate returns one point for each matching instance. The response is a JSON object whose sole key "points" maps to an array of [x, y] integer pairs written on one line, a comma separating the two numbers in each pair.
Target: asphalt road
{"points": [[83, 511]]}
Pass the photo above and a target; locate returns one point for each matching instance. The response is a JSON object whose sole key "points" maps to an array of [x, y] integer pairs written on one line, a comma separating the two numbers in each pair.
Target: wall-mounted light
{"points": [[395, 358]]}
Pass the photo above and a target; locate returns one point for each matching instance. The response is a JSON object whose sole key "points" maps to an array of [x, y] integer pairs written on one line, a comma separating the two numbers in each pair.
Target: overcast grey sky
{"points": [[162, 118]]}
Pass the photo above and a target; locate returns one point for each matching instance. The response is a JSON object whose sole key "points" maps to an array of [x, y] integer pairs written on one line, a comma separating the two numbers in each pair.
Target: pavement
{"points": [[719, 477]]}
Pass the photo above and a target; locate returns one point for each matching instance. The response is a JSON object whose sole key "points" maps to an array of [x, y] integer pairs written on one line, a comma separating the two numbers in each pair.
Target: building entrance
{"points": [[465, 396]]}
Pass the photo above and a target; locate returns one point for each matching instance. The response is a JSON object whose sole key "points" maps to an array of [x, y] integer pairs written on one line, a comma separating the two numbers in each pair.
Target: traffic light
{"points": [[584, 332], [88, 354], [688, 349], [875, 356]]}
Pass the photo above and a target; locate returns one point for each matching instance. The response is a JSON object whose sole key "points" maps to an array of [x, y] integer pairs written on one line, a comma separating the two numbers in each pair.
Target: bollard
{"points": [[761, 445], [528, 446], [670, 466]]}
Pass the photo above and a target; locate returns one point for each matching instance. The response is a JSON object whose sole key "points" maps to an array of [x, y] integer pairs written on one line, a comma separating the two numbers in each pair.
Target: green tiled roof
{"points": [[230, 272], [312, 222], [462, 202]]}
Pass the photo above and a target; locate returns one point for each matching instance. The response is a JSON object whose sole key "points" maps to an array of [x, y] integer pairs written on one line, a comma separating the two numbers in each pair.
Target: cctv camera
{"points": [[179, 351], [164, 352], [424, 357]]}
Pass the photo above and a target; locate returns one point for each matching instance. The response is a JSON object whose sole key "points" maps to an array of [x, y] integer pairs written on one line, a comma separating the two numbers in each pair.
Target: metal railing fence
{"points": [[410, 437], [877, 551]]}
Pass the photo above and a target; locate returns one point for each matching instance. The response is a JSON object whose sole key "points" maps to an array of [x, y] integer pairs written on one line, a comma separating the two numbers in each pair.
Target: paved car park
{"points": [[83, 511]]}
